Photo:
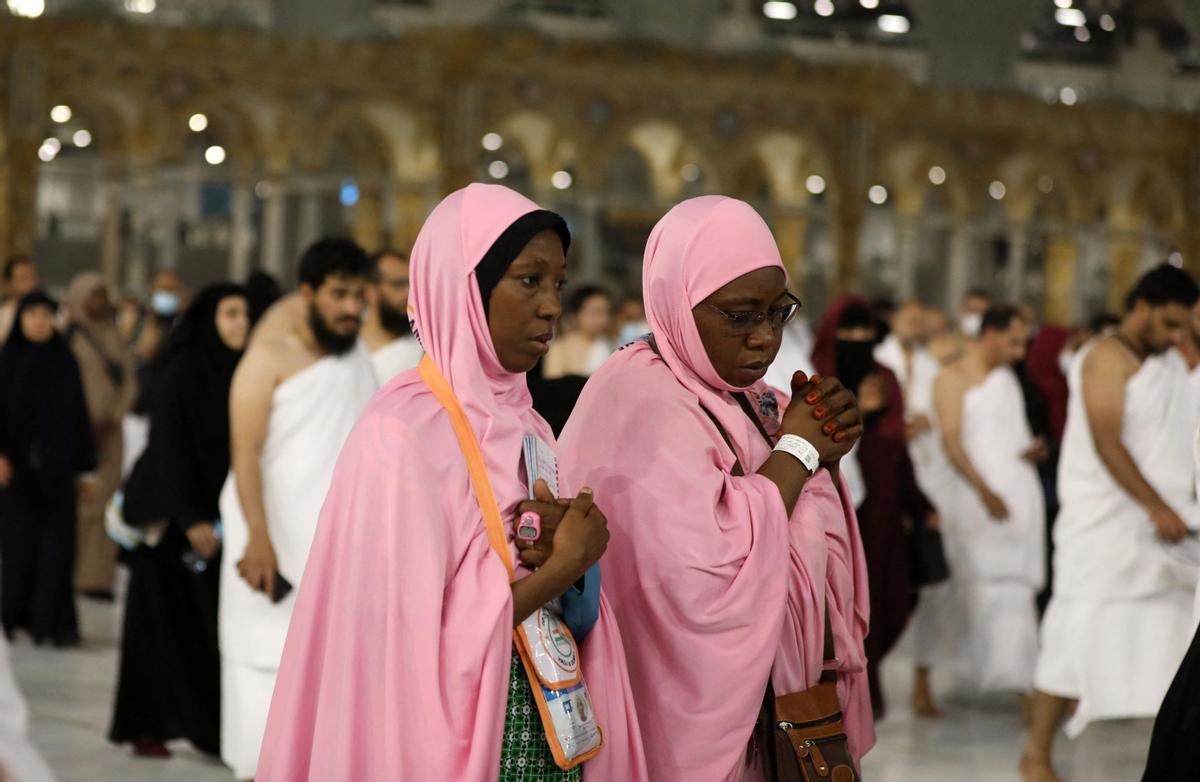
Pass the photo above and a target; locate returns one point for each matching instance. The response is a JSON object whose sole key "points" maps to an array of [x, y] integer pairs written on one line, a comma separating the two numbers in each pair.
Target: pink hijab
{"points": [[397, 659], [715, 588]]}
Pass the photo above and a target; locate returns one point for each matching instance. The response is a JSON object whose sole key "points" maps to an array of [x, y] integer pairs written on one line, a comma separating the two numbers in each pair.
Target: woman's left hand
{"points": [[872, 394], [534, 554]]}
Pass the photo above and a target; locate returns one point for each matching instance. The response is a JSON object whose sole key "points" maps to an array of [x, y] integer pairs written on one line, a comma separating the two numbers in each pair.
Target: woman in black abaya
{"points": [[169, 682], [45, 445]]}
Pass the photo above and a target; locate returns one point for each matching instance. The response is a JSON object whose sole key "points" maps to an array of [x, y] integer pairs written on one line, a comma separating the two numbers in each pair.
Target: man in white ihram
{"points": [[1126, 559], [295, 397], [904, 353], [386, 330], [995, 511]]}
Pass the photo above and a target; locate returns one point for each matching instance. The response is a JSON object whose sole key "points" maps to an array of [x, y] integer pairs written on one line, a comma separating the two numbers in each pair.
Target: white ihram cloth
{"points": [[997, 566], [395, 357], [1120, 619], [312, 414], [935, 619], [19, 759]]}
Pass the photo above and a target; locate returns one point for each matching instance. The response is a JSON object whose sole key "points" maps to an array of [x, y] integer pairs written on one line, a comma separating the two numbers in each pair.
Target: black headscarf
{"points": [[44, 426], [179, 476], [508, 246]]}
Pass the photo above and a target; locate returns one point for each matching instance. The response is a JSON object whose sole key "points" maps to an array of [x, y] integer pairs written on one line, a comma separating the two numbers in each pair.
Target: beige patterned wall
{"points": [[412, 110]]}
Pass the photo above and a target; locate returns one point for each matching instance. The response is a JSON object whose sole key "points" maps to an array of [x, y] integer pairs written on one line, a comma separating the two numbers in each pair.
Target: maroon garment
{"points": [[892, 497], [1044, 371]]}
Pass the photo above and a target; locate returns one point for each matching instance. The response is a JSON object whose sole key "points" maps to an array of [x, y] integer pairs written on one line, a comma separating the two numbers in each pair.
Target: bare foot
{"points": [[1037, 770], [923, 706]]}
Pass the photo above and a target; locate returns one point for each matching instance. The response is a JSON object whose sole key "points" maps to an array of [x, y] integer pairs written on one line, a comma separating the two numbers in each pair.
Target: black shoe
{"points": [[99, 595]]}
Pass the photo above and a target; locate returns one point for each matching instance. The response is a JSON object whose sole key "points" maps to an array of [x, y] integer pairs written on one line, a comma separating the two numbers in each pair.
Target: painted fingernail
{"points": [[813, 397], [819, 413], [816, 380], [830, 428], [837, 438]]}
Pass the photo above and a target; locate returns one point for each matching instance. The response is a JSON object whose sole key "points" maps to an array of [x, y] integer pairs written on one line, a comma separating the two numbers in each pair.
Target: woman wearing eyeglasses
{"points": [[731, 533]]}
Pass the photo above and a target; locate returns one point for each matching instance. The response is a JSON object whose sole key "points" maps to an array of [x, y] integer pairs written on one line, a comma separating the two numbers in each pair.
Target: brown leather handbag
{"points": [[810, 743]]}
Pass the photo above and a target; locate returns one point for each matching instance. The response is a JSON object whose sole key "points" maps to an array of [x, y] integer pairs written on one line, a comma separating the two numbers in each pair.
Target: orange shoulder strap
{"points": [[475, 465]]}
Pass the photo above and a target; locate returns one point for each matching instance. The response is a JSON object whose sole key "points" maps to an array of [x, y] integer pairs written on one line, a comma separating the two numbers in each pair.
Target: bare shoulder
{"points": [[281, 318], [1110, 359], [955, 377]]}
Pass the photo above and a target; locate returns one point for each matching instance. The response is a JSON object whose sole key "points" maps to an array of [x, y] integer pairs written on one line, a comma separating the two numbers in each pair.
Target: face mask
{"points": [[855, 360], [1064, 362], [970, 324], [165, 304]]}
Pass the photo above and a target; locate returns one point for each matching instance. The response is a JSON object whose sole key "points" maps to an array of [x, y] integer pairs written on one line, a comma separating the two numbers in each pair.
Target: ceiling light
{"points": [[937, 175], [1082, 34], [815, 184], [997, 190], [215, 155], [492, 141], [197, 122], [140, 6], [82, 138], [61, 114], [1107, 23], [775, 9], [869, 4], [53, 144], [1067, 96], [1045, 183], [1063, 3], [561, 179], [690, 172], [1070, 17], [824, 7], [28, 8], [894, 23], [45, 153], [878, 194], [498, 169]]}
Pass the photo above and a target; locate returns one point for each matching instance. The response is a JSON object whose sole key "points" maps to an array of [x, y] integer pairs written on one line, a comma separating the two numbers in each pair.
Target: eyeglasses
{"points": [[747, 322]]}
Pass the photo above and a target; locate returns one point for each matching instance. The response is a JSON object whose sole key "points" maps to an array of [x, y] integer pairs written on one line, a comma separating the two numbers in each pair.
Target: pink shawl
{"points": [[715, 589], [397, 659]]}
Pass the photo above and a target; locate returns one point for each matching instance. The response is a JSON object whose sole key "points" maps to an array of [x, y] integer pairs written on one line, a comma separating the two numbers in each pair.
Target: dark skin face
{"points": [[742, 359], [527, 303]]}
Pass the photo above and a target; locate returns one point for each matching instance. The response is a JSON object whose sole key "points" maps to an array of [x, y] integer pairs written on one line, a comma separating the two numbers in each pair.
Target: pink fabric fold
{"points": [[397, 659], [715, 588]]}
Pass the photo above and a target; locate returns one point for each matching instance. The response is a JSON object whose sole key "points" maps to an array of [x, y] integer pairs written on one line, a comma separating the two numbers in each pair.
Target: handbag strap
{"points": [[829, 652], [476, 468]]}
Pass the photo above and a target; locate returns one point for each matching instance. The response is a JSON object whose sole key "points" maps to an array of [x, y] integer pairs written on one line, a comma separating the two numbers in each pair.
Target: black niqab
{"points": [[179, 476], [44, 429]]}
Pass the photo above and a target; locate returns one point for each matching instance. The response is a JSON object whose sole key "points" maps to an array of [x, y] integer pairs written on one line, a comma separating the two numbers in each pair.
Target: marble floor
{"points": [[70, 698]]}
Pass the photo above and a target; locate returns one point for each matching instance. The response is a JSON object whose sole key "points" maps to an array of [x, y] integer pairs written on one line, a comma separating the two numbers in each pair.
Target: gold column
{"points": [[110, 237], [1126, 253], [368, 218], [790, 233], [847, 225], [410, 208], [18, 187], [1062, 257]]}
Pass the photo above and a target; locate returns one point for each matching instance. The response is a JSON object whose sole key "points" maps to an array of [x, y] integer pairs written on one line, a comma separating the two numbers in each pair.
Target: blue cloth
{"points": [[581, 607]]}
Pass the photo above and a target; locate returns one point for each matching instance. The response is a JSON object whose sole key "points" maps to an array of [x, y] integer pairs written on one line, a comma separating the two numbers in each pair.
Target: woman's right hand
{"points": [[6, 472], [582, 535], [258, 565], [825, 414]]}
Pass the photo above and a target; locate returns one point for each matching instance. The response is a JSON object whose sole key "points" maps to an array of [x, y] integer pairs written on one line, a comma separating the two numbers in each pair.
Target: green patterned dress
{"points": [[525, 755]]}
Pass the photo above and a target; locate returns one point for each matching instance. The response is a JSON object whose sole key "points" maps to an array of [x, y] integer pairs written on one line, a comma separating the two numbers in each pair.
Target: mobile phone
{"points": [[282, 588]]}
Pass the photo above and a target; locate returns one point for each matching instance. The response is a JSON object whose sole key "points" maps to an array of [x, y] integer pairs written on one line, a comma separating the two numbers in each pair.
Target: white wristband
{"points": [[800, 448]]}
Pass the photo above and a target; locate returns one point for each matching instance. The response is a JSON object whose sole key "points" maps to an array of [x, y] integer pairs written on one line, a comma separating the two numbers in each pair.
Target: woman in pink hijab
{"points": [[400, 662], [724, 553]]}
